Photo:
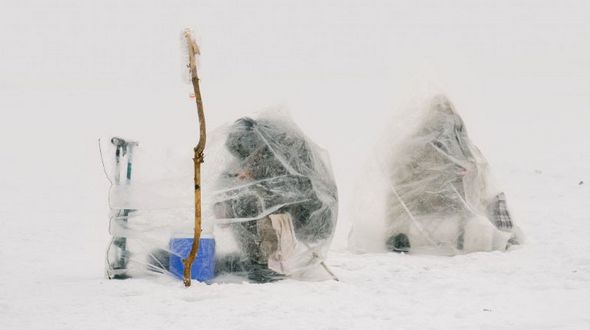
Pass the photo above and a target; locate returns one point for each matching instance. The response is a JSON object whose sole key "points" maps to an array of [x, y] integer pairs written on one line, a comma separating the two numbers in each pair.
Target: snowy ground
{"points": [[518, 72], [545, 284]]}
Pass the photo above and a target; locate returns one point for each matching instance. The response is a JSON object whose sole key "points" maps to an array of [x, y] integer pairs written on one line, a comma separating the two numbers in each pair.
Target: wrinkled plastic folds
{"points": [[273, 198], [428, 190], [151, 202], [269, 203]]}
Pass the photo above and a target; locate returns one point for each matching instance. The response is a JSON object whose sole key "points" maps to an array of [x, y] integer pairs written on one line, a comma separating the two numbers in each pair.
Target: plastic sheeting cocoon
{"points": [[272, 199], [269, 202], [428, 189]]}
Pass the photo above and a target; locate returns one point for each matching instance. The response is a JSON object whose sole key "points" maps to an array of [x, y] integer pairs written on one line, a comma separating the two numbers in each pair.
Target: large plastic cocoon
{"points": [[427, 189], [271, 199], [269, 202]]}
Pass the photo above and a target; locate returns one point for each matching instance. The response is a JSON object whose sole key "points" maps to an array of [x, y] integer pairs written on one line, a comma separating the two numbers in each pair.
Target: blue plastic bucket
{"points": [[203, 268]]}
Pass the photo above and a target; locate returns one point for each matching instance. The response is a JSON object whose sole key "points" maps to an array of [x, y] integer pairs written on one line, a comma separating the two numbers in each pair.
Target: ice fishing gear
{"points": [[117, 253], [150, 216]]}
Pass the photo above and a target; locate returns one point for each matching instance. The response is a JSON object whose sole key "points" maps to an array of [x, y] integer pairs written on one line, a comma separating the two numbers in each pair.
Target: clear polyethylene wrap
{"points": [[428, 190], [271, 198], [151, 204]]}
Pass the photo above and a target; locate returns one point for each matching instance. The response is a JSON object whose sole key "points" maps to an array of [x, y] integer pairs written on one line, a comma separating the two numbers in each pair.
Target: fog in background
{"points": [[72, 71]]}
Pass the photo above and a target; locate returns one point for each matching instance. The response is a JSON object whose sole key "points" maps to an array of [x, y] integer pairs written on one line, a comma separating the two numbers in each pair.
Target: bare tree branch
{"points": [[193, 52]]}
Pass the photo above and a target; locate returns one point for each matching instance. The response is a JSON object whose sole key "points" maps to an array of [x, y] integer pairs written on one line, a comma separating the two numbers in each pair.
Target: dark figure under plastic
{"points": [[274, 176]]}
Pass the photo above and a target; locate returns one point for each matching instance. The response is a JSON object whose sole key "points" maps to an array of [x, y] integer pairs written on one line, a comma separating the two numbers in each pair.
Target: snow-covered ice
{"points": [[72, 71], [48, 281]]}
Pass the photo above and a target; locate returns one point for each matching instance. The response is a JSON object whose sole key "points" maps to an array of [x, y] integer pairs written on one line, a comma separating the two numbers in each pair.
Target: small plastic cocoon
{"points": [[269, 202], [151, 201], [427, 189]]}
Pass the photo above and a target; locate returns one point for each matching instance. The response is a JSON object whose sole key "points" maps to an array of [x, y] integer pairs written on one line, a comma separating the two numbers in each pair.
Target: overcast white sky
{"points": [[71, 71]]}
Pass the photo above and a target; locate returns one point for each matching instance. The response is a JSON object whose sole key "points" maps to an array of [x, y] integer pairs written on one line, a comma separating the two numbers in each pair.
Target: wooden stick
{"points": [[193, 52]]}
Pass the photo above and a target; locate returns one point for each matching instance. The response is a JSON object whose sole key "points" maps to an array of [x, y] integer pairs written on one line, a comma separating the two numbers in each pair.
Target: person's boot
{"points": [[261, 274], [398, 243], [232, 263], [461, 241]]}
